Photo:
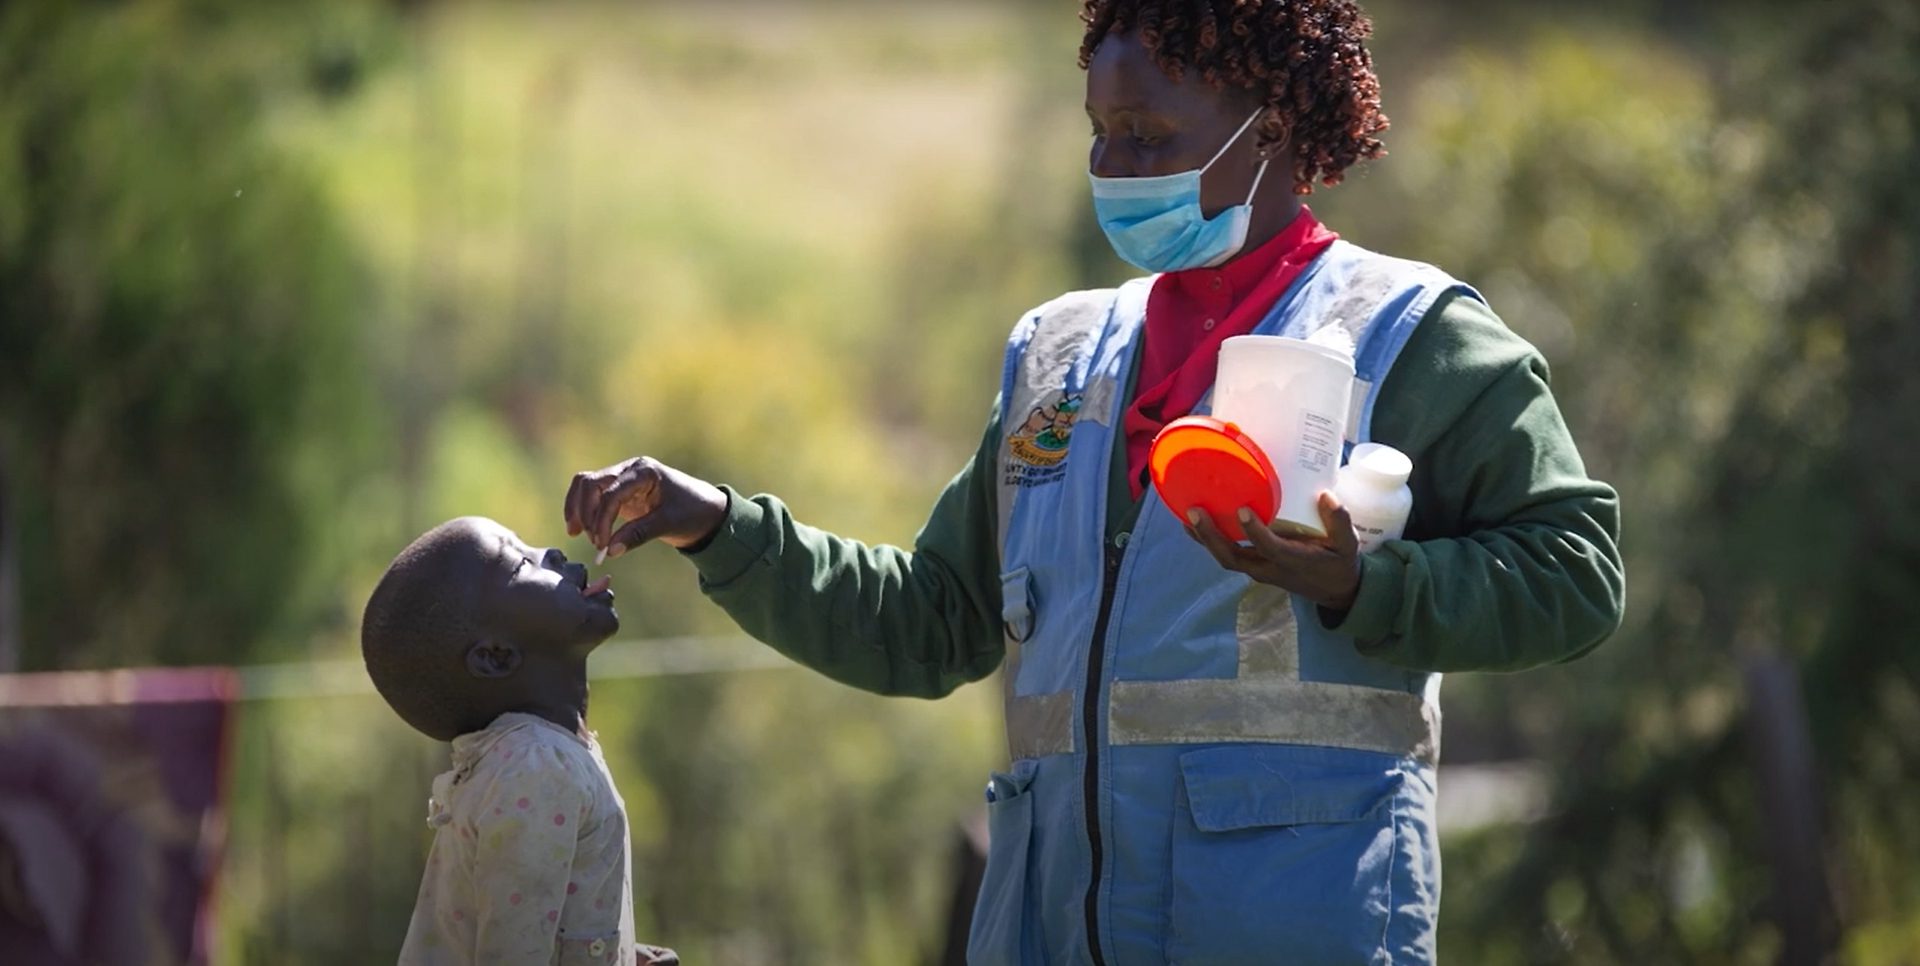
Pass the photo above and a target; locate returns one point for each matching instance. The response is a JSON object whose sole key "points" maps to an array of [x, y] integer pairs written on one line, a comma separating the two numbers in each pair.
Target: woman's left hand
{"points": [[1325, 571]]}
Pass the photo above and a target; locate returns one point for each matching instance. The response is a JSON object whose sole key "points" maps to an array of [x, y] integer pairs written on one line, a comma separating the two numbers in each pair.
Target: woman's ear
{"points": [[1278, 149], [492, 659]]}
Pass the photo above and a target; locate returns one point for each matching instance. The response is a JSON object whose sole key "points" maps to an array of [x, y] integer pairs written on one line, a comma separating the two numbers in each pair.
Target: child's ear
{"points": [[492, 659]]}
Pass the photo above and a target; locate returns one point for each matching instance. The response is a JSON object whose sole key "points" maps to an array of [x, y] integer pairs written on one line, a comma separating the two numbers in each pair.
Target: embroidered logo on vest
{"points": [[1038, 446]]}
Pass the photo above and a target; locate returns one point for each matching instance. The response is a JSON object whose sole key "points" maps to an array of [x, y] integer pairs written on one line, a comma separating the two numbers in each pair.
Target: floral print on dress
{"points": [[530, 861]]}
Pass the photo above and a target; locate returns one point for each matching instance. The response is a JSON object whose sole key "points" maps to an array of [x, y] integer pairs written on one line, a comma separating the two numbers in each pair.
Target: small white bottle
{"points": [[1373, 488]]}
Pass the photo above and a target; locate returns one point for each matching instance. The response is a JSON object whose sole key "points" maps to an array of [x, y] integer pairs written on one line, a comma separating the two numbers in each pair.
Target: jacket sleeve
{"points": [[880, 618], [1512, 559]]}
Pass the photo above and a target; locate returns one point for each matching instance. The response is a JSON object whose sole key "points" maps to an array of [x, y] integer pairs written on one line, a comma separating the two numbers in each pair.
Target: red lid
{"points": [[1200, 461]]}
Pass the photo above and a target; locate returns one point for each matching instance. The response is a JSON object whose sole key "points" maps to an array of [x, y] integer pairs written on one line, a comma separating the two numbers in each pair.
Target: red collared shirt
{"points": [[1190, 313]]}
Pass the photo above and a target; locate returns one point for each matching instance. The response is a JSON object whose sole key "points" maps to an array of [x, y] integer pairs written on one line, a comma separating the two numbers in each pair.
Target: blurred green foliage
{"points": [[1711, 235], [280, 289], [180, 341]]}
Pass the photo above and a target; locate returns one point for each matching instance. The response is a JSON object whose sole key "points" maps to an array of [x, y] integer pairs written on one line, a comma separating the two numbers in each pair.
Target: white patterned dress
{"points": [[530, 862]]}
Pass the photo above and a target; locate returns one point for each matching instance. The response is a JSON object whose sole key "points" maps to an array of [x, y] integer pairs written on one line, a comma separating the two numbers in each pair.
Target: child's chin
{"points": [[603, 622]]}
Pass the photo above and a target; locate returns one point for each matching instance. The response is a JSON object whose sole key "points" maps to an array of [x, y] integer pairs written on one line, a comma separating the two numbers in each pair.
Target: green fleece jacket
{"points": [[1510, 561]]}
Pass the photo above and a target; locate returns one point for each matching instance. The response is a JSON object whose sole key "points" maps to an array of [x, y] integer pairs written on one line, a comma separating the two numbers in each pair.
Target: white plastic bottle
{"points": [[1373, 488]]}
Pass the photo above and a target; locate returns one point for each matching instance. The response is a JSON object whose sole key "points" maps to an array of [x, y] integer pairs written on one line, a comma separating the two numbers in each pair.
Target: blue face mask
{"points": [[1157, 224]]}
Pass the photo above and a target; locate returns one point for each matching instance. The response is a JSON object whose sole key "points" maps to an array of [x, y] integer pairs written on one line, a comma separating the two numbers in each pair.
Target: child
{"points": [[475, 638]]}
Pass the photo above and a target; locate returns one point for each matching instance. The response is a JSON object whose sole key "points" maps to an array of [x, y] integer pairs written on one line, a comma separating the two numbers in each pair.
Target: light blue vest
{"points": [[1201, 774]]}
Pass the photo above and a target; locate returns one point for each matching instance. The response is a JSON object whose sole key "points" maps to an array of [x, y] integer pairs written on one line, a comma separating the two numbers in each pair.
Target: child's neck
{"points": [[573, 719], [561, 699]]}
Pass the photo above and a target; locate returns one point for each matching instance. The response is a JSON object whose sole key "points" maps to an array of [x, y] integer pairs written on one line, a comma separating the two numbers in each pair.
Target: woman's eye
{"points": [[1147, 140]]}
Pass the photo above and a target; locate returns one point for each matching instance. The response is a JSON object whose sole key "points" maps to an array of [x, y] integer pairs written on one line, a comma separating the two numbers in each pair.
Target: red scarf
{"points": [[1190, 313]]}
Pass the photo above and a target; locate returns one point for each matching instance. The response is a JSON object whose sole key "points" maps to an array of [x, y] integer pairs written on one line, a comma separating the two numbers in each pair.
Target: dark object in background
{"points": [[111, 815], [1788, 779], [657, 956], [74, 867], [969, 870]]}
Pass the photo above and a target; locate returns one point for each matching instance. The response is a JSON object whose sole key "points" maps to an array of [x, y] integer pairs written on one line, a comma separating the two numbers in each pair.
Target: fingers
{"points": [[1338, 524], [1267, 543], [633, 535], [592, 492], [1295, 565], [1200, 525], [637, 491], [570, 507], [591, 496], [636, 482], [1324, 570]]}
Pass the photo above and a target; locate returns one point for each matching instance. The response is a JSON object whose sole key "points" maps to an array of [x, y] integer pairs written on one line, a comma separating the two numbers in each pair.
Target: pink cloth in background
{"points": [[72, 836]]}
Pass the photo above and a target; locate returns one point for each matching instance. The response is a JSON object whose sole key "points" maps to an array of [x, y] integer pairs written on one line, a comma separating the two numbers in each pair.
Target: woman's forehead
{"points": [[1123, 77]]}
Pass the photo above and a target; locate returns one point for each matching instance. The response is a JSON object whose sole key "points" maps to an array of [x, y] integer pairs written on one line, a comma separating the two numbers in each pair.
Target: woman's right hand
{"points": [[656, 501]]}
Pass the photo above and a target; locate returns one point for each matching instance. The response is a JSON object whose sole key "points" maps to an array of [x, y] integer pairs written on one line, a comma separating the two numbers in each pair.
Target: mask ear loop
{"points": [[1256, 180], [1217, 155]]}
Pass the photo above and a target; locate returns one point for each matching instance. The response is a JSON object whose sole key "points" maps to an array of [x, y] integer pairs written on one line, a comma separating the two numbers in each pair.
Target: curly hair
{"points": [[1306, 60]]}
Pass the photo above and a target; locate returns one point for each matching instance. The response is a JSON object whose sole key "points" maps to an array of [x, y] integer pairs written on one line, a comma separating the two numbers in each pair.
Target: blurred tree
{"points": [[1706, 221], [178, 327], [1724, 241]]}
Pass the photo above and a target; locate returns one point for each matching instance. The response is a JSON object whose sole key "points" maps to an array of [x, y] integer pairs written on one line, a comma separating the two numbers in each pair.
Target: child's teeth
{"points": [[597, 586]]}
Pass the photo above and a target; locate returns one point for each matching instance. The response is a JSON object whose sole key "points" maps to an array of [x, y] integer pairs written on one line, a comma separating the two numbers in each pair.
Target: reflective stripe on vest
{"points": [[1265, 703]]}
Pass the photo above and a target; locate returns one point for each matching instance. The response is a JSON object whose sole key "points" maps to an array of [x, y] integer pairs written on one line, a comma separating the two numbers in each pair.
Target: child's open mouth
{"points": [[597, 587]]}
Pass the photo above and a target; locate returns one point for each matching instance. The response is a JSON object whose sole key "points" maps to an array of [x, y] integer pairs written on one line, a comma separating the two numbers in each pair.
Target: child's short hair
{"points": [[417, 628]]}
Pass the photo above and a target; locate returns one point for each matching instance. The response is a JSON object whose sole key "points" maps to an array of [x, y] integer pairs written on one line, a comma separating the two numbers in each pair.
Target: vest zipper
{"points": [[1090, 718]]}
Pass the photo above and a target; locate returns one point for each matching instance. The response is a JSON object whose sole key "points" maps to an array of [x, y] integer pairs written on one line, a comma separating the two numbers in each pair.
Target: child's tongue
{"points": [[597, 586]]}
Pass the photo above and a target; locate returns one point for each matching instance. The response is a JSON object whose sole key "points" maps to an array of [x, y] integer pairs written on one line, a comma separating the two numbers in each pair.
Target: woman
{"points": [[1221, 754]]}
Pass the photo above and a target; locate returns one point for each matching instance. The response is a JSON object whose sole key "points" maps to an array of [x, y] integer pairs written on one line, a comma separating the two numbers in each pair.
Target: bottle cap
{"points": [[1200, 461], [1378, 465]]}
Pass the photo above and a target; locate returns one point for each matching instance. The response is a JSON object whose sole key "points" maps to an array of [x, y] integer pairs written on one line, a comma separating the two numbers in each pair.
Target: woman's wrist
{"points": [[715, 503], [1342, 601]]}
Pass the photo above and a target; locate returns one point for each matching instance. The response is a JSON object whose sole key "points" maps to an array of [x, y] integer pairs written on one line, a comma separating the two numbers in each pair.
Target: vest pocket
{"points": [[1001, 932], [1279, 859], [1016, 605]]}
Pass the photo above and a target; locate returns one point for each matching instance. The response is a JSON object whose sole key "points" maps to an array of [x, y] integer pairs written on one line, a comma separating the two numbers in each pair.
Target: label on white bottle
{"points": [[1372, 538], [1319, 441]]}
